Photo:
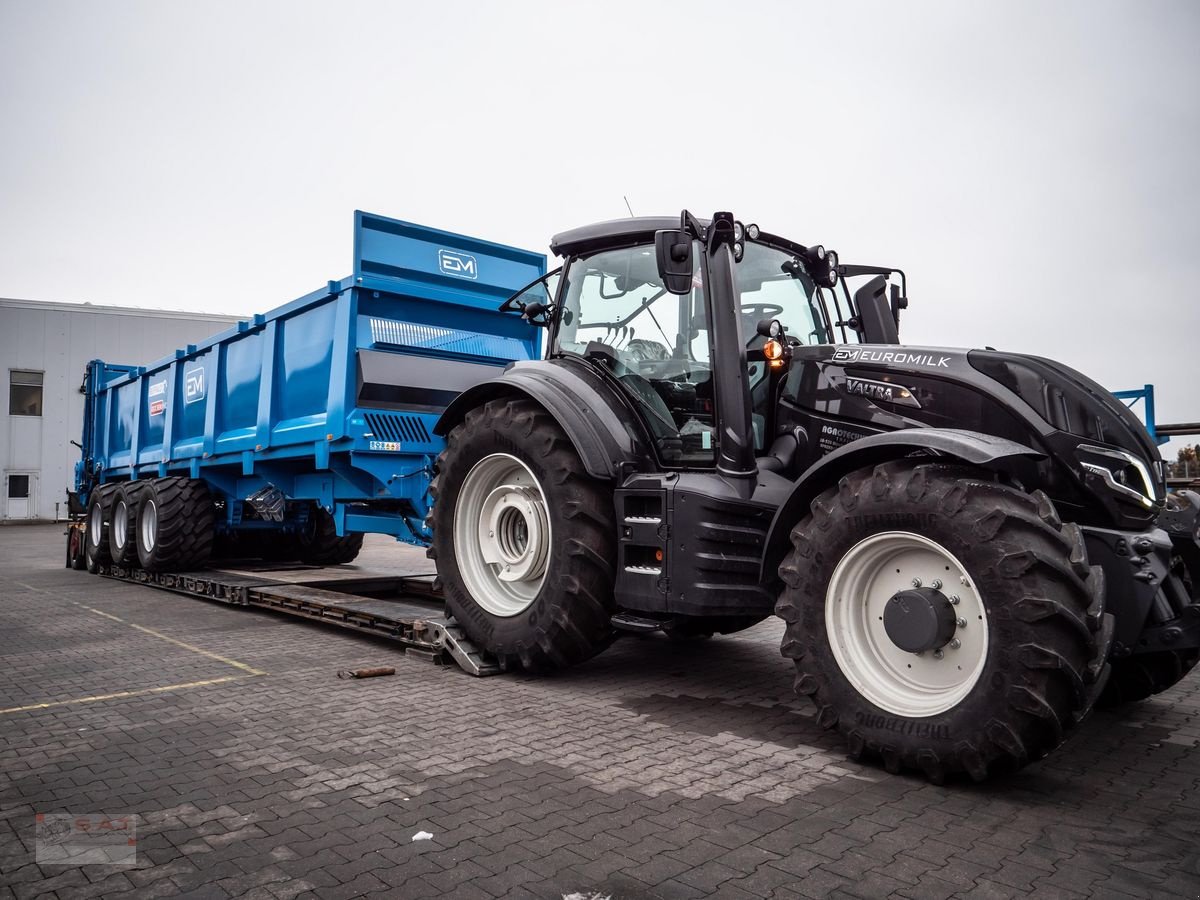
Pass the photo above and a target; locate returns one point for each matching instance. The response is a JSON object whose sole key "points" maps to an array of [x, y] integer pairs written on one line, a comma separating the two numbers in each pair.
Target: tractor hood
{"points": [[1102, 445]]}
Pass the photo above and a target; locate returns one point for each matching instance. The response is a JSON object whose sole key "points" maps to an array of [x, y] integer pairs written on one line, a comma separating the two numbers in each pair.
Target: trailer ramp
{"points": [[407, 609]]}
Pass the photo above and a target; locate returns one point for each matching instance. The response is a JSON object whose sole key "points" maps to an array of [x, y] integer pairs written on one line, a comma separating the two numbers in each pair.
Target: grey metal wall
{"points": [[59, 339]]}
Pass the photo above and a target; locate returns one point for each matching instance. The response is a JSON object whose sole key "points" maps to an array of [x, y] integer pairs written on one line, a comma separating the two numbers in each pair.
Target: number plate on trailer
{"points": [[393, 446]]}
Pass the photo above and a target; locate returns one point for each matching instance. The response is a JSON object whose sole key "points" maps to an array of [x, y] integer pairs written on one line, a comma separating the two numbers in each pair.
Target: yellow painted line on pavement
{"points": [[170, 640], [250, 671], [122, 694]]}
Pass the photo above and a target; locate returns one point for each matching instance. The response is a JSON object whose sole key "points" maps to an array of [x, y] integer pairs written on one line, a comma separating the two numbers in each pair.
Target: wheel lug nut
{"points": [[954, 600], [938, 654], [916, 582], [936, 584], [960, 622], [955, 644]]}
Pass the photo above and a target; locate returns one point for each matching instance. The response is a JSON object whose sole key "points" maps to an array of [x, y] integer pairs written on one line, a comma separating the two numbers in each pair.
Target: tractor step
{"points": [[639, 624]]}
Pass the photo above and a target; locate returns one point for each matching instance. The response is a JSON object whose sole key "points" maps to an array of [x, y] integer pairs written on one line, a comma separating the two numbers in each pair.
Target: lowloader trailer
{"points": [[969, 548]]}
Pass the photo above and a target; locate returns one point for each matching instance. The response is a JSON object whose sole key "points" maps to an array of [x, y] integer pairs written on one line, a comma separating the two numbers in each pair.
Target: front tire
{"points": [[874, 636], [524, 538], [1142, 675]]}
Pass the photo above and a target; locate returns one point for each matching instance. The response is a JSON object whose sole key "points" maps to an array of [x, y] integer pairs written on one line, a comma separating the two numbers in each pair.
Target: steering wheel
{"points": [[762, 310]]}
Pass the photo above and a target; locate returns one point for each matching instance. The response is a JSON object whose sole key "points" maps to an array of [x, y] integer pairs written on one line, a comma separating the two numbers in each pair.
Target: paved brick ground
{"points": [[657, 770]]}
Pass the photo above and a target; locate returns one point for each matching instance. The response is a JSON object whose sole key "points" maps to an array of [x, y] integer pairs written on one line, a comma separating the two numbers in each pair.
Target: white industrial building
{"points": [[44, 348]]}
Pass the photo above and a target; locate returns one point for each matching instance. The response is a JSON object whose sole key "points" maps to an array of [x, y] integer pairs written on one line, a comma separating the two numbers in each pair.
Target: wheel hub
{"points": [[502, 534], [919, 619], [901, 643], [514, 532]]}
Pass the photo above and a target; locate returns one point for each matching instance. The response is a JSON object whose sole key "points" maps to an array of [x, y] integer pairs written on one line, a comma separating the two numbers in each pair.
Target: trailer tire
{"points": [[175, 524], [95, 544], [1030, 620], [561, 538], [122, 526], [318, 545]]}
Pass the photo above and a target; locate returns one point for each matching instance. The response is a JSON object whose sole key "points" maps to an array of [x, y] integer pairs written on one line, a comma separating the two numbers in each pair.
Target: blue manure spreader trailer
{"points": [[295, 432], [687, 427]]}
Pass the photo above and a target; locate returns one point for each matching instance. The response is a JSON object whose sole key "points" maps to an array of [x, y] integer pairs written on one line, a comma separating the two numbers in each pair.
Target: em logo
{"points": [[193, 385], [460, 265]]}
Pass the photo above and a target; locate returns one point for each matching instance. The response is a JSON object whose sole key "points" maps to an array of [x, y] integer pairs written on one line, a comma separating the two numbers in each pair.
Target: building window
{"points": [[24, 393], [18, 487]]}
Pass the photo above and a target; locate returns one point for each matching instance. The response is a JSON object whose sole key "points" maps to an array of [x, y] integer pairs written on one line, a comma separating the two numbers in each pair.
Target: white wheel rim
{"points": [[502, 535], [906, 684], [95, 525], [149, 524], [120, 524]]}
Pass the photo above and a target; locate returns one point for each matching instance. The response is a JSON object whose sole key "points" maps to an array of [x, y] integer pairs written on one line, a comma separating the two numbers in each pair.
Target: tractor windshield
{"points": [[616, 312], [773, 286]]}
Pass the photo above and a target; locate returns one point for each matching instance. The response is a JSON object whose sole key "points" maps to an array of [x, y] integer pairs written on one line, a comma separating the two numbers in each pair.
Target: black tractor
{"points": [[969, 548]]}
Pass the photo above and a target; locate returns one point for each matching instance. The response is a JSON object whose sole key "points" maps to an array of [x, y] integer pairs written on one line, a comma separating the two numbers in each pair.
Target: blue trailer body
{"points": [[330, 399]]}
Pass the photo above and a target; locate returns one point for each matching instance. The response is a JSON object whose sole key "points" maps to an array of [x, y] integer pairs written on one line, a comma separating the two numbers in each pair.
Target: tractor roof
{"points": [[614, 232]]}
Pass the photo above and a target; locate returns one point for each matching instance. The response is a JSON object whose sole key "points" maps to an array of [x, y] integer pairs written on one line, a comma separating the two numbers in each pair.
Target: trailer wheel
{"points": [[122, 526], [174, 524], [95, 544], [319, 545], [942, 621], [524, 538]]}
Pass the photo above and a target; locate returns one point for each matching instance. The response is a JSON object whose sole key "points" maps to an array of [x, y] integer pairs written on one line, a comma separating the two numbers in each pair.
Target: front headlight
{"points": [[1123, 473]]}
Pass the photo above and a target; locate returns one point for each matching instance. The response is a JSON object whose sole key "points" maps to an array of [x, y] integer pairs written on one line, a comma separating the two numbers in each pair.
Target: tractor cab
{"points": [[677, 337]]}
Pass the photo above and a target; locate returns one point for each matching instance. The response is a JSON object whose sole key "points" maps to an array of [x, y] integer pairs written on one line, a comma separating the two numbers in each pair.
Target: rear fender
{"points": [[971, 447], [591, 412]]}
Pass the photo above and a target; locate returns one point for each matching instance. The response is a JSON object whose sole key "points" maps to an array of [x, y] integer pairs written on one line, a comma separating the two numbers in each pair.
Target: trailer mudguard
{"points": [[592, 413], [970, 447]]}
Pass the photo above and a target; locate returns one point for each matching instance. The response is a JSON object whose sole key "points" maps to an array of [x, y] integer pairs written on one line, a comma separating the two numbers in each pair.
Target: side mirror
{"points": [[877, 325], [899, 302], [673, 250]]}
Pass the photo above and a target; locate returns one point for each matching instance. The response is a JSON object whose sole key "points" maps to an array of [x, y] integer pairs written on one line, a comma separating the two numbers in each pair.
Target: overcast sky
{"points": [[1033, 166]]}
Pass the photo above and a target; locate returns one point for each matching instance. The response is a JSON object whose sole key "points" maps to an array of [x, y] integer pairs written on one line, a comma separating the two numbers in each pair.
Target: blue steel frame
{"points": [[1145, 393], [272, 400]]}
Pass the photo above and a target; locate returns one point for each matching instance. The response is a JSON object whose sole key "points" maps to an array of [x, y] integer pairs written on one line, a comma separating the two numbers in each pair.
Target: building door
{"points": [[21, 493]]}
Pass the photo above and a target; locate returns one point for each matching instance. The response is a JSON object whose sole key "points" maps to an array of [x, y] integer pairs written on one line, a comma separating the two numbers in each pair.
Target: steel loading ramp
{"points": [[407, 609]]}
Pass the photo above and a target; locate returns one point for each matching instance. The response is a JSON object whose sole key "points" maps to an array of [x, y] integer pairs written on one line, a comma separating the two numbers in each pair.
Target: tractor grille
{"points": [[398, 428]]}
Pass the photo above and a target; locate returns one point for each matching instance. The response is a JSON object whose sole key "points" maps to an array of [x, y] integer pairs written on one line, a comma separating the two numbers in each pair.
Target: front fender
{"points": [[588, 409], [971, 447]]}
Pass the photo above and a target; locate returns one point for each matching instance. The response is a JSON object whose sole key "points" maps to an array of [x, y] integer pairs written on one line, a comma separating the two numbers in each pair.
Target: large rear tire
{"points": [[524, 538], [985, 676], [175, 519]]}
